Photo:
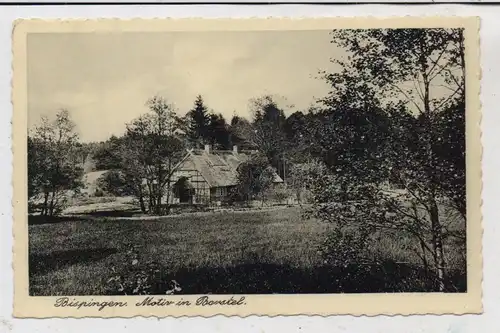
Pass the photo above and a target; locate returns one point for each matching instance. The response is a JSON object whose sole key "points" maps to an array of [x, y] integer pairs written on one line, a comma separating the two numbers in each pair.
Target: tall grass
{"points": [[224, 252]]}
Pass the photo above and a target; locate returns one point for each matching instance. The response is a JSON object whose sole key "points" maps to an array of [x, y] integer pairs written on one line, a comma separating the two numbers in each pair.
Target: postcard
{"points": [[197, 167]]}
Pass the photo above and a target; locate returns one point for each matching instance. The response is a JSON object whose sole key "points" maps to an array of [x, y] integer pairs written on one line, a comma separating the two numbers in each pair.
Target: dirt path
{"points": [[100, 214]]}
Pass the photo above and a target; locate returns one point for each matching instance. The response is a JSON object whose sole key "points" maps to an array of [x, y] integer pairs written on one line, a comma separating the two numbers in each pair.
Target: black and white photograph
{"points": [[233, 162]]}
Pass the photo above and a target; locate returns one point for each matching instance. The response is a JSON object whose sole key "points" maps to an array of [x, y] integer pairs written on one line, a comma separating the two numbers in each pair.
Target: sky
{"points": [[104, 79]]}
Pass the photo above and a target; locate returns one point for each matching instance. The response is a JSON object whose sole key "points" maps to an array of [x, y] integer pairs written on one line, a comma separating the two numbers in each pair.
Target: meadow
{"points": [[266, 251]]}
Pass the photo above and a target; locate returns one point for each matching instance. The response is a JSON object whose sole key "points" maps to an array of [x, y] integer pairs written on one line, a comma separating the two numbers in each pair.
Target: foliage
{"points": [[204, 127], [116, 183], [53, 170], [149, 154], [139, 278], [299, 129], [387, 160], [278, 193], [268, 125], [398, 64], [35, 165], [107, 154], [343, 247], [198, 121], [255, 176], [218, 133], [450, 149], [302, 176], [242, 133]]}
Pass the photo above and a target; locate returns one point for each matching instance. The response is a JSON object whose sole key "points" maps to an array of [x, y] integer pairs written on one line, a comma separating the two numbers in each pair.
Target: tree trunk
{"points": [[167, 184], [45, 209], [427, 106], [158, 203], [51, 205], [141, 202], [167, 202], [437, 244], [151, 199], [151, 204], [424, 257], [436, 229]]}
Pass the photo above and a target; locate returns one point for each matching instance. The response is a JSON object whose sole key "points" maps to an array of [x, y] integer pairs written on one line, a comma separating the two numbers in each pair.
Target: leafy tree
{"points": [[150, 153], [53, 170], [35, 167], [450, 149], [385, 115], [134, 168], [107, 155], [269, 130], [255, 176], [295, 126], [303, 175], [405, 64], [115, 182], [242, 133], [218, 134], [303, 129], [84, 152], [278, 193]]}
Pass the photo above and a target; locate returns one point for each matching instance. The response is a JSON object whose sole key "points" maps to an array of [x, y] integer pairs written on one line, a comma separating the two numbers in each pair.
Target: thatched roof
{"points": [[219, 167]]}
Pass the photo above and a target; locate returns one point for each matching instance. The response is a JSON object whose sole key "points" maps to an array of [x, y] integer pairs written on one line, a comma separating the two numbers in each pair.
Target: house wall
{"points": [[219, 193], [188, 170]]}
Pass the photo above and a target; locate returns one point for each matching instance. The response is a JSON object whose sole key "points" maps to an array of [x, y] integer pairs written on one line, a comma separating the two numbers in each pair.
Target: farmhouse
{"points": [[207, 175]]}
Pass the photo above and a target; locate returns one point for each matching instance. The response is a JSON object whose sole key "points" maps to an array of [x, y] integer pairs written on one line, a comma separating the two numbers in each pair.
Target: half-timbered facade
{"points": [[205, 176]]}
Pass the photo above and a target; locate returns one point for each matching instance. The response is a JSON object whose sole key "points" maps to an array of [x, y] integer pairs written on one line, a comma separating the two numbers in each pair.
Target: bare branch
{"points": [[437, 60], [416, 84], [447, 99], [407, 97]]}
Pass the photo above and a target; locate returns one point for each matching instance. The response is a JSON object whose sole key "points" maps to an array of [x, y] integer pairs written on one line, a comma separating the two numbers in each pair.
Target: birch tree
{"points": [[54, 172], [151, 153], [414, 80]]}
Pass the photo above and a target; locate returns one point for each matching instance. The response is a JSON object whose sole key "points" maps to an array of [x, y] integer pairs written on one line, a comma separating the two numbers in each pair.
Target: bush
{"points": [[344, 247], [278, 193], [114, 183], [359, 267], [139, 278], [61, 205], [255, 177]]}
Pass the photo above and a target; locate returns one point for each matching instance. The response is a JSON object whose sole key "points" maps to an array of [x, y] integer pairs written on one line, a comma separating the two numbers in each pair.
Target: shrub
{"points": [[255, 176], [114, 183], [343, 247], [278, 193], [139, 278]]}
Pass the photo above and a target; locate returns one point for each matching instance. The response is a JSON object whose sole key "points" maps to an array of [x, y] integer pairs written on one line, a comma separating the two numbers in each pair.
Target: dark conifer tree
{"points": [[198, 120]]}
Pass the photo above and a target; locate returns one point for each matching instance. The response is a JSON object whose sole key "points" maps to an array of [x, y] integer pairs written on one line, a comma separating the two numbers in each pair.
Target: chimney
{"points": [[207, 149], [235, 149]]}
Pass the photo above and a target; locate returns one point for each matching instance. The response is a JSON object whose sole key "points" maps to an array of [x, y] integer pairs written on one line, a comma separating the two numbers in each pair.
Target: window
{"points": [[220, 191]]}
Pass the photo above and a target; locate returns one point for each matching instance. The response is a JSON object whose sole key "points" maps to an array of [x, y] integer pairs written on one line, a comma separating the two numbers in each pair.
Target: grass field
{"points": [[273, 251]]}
